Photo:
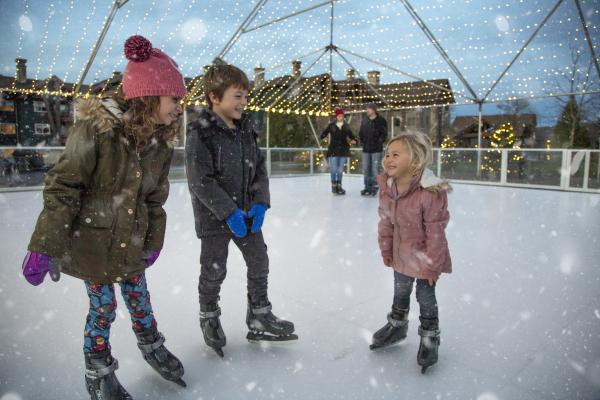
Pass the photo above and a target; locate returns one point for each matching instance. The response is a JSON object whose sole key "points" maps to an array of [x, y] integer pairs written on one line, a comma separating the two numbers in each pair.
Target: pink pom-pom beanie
{"points": [[150, 72]]}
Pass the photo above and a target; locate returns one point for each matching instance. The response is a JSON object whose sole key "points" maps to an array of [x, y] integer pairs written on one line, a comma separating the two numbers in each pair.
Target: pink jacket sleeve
{"points": [[385, 230], [435, 220]]}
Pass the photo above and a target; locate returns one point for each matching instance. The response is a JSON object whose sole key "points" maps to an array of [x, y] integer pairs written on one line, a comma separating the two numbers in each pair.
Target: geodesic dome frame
{"points": [[262, 27]]}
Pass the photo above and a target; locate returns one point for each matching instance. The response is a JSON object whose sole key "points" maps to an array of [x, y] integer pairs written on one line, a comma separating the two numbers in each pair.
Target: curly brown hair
{"points": [[139, 117]]}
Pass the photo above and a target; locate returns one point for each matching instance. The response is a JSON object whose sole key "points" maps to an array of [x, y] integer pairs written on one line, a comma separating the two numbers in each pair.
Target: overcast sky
{"points": [[480, 36]]}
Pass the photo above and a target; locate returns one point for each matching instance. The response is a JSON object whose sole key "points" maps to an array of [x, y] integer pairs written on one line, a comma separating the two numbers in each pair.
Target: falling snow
{"points": [[519, 319]]}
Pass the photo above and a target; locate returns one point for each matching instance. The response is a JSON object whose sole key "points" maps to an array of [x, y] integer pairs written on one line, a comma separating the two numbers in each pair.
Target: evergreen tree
{"points": [[568, 131]]}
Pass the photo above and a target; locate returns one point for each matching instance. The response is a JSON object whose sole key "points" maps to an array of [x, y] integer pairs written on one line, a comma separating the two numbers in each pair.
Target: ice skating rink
{"points": [[520, 315]]}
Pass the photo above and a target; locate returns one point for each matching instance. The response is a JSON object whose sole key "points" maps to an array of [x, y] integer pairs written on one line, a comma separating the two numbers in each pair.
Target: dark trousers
{"points": [[213, 265], [403, 286]]}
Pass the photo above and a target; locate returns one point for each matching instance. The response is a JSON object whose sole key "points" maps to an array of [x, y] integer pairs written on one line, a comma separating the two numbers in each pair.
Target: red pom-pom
{"points": [[137, 48]]}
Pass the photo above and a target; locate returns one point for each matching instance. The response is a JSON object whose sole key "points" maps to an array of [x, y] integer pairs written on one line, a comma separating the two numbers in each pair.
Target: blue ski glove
{"points": [[257, 213], [237, 223]]}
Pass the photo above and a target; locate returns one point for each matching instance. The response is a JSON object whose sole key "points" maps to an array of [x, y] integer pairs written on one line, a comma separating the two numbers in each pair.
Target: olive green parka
{"points": [[103, 200]]}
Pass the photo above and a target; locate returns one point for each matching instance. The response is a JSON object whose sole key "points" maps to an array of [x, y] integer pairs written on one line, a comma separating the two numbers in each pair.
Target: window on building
{"points": [[8, 128], [39, 106], [7, 105], [65, 108], [42, 129]]}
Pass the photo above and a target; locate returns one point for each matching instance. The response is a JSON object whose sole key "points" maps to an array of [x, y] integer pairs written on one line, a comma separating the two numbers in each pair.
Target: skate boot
{"points": [[151, 344], [334, 188], [365, 192], [264, 325], [392, 332], [340, 189], [373, 191], [100, 379], [430, 341], [213, 333]]}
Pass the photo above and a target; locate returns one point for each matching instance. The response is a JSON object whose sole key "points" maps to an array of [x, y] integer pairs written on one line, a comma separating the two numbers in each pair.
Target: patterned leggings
{"points": [[103, 305]]}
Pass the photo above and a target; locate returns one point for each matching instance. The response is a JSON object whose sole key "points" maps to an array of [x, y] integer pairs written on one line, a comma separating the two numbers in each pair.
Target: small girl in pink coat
{"points": [[413, 210]]}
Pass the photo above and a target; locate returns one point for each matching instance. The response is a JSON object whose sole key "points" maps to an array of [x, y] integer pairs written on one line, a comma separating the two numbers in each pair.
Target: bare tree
{"points": [[580, 79]]}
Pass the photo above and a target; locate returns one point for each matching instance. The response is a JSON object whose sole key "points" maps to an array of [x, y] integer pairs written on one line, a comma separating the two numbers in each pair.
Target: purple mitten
{"points": [[37, 265], [150, 256]]}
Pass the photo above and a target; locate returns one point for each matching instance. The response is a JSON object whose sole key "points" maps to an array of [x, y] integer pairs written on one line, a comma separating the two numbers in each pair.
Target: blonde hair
{"points": [[420, 149], [419, 146]]}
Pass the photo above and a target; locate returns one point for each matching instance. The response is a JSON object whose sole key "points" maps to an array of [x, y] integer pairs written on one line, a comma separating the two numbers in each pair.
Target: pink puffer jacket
{"points": [[412, 224]]}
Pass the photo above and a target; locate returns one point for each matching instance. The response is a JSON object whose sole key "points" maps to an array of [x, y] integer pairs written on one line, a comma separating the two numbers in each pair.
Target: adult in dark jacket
{"points": [[103, 219], [229, 187], [340, 136], [373, 134]]}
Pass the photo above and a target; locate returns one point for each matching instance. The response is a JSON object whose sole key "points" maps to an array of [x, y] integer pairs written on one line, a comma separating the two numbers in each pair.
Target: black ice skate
{"points": [[265, 326], [213, 333], [334, 188], [392, 332], [100, 379], [340, 189], [428, 349], [151, 344]]}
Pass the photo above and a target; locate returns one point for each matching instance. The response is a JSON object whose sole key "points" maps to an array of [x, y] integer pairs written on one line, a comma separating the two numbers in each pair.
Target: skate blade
{"points": [[264, 337], [181, 382], [219, 351], [424, 369], [375, 346]]}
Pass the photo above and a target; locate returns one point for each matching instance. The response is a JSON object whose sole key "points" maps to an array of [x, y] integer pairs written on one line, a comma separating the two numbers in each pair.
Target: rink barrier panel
{"points": [[576, 170]]}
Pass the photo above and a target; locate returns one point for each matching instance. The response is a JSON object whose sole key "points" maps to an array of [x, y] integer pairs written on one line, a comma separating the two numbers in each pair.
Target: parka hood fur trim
{"points": [[105, 114], [428, 181]]}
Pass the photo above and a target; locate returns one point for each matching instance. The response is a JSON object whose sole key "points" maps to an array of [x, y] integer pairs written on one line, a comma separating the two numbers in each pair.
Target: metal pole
{"points": [[273, 68], [331, 60], [286, 17], [522, 49], [116, 6], [366, 80], [445, 89], [479, 126], [438, 46], [296, 80], [314, 132], [587, 36], [268, 147], [238, 32], [184, 123]]}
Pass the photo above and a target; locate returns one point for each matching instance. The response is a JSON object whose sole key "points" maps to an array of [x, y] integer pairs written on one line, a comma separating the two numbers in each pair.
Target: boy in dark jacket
{"points": [[373, 134], [229, 186]]}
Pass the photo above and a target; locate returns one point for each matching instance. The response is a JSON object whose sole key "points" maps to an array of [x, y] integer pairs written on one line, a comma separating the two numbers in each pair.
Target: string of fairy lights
{"points": [[21, 38], [42, 47], [57, 50], [80, 38], [492, 36], [121, 61]]}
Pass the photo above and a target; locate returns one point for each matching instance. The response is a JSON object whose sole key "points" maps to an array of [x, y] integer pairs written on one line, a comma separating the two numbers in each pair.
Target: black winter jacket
{"points": [[225, 171], [373, 134], [338, 140]]}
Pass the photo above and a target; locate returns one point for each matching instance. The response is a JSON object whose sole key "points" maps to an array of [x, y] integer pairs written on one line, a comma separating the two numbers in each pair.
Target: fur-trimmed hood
{"points": [[427, 180], [106, 115]]}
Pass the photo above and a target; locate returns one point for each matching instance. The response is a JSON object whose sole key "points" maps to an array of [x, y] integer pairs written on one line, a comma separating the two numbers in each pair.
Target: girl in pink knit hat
{"points": [[413, 210], [103, 219]]}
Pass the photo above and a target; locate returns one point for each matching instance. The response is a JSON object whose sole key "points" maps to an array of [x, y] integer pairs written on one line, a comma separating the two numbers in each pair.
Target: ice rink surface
{"points": [[520, 315]]}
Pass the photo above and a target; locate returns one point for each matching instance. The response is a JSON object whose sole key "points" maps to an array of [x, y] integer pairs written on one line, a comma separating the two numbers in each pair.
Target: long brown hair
{"points": [[140, 118]]}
